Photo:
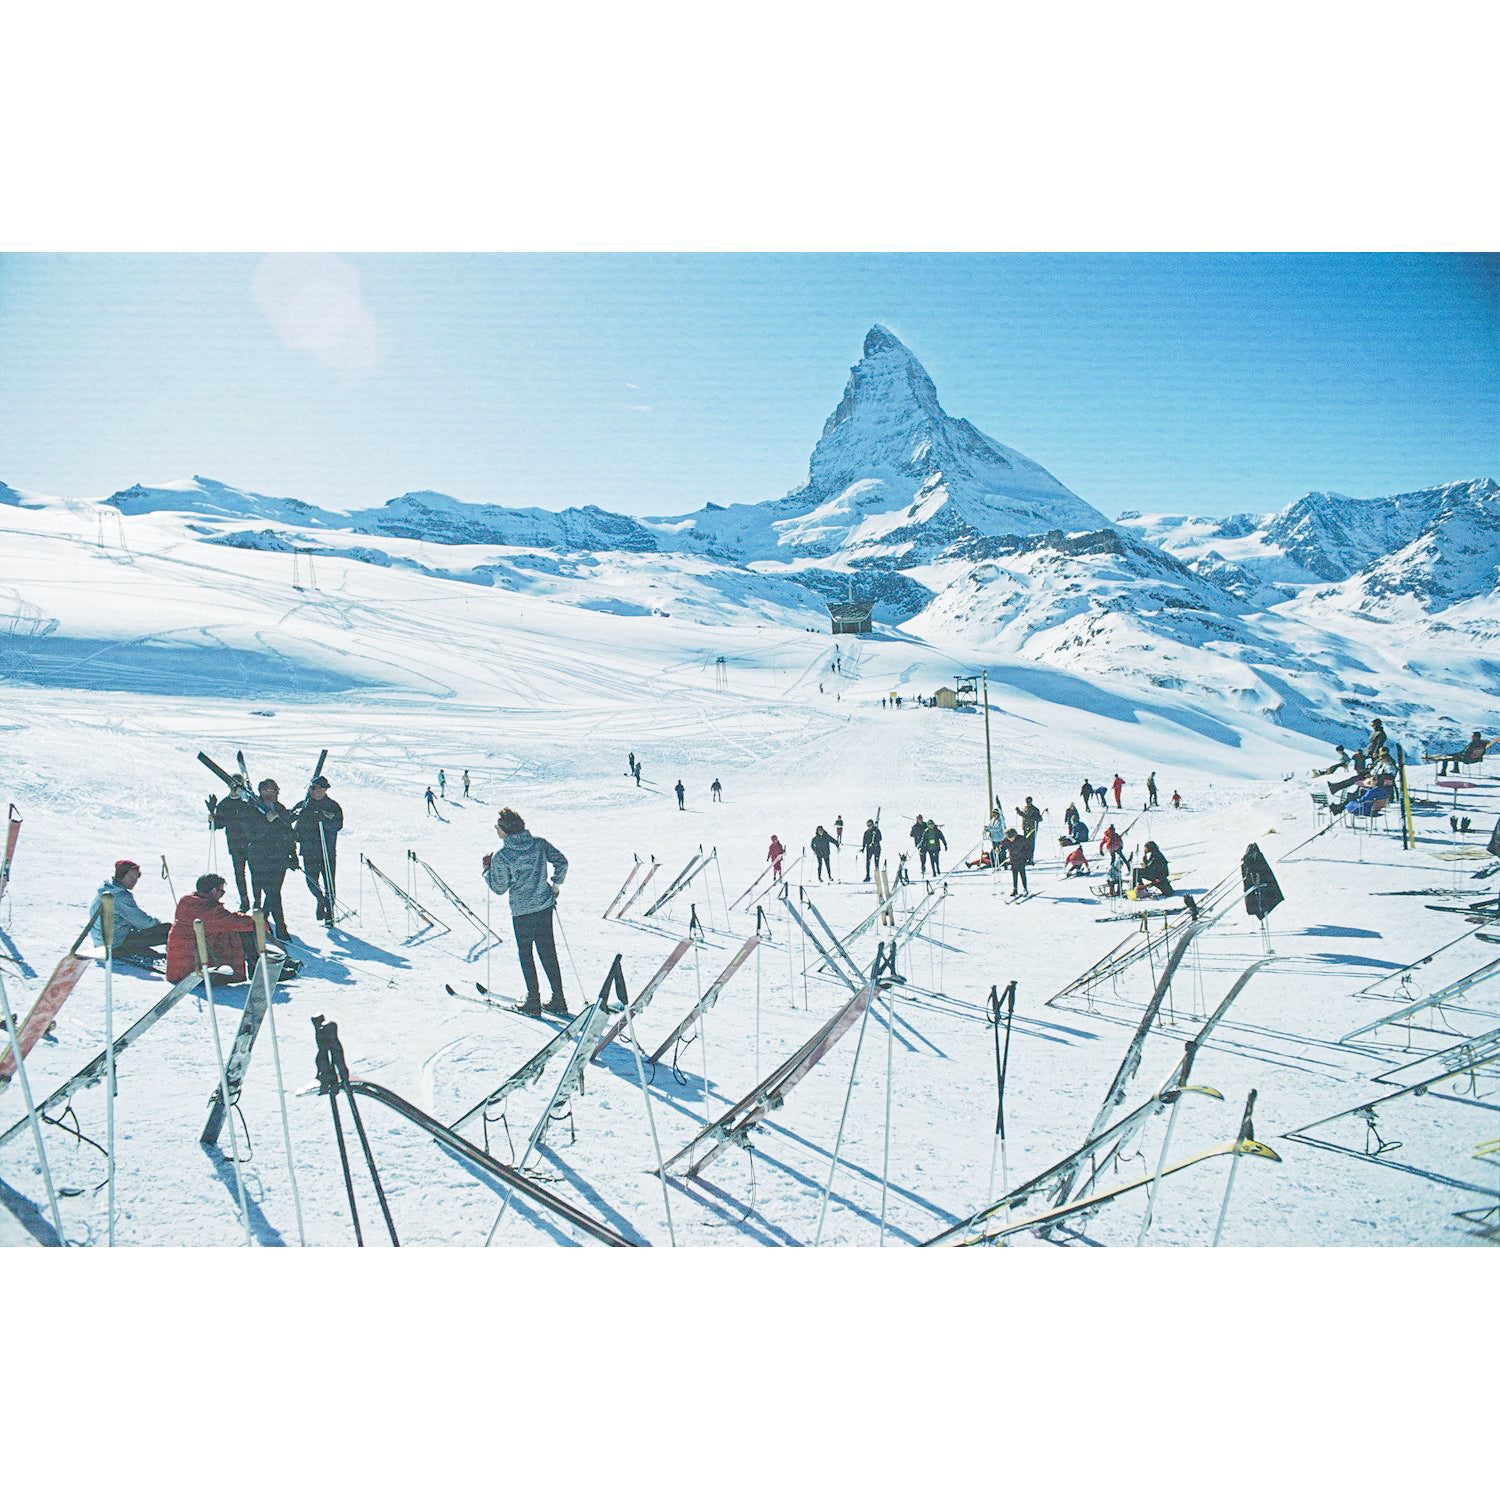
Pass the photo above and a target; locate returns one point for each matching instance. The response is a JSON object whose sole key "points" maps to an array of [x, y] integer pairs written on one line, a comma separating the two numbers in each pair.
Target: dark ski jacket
{"points": [[917, 830], [221, 932], [1154, 867], [1030, 816], [822, 843], [236, 816], [519, 866], [870, 843], [932, 838], [307, 820], [1018, 851], [273, 836], [1262, 894]]}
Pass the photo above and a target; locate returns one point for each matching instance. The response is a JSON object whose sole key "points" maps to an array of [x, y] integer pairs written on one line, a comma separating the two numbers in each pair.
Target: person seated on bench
{"points": [[1153, 871], [1470, 755], [1367, 802]]}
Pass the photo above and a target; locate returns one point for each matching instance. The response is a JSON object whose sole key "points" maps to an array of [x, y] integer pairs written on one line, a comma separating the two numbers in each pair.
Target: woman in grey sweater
{"points": [[518, 868]]}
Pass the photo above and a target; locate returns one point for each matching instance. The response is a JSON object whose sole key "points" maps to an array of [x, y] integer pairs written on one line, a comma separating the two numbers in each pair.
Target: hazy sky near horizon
{"points": [[653, 383]]}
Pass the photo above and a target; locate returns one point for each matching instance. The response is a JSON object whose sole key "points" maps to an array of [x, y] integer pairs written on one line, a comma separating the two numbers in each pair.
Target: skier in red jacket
{"points": [[1117, 786], [776, 853]]}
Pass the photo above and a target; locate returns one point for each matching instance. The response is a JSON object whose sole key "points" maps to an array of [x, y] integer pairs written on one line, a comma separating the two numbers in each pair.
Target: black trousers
{"points": [[534, 931], [1018, 879], [932, 854], [871, 854], [267, 881], [823, 865], [143, 938], [321, 883], [239, 861]]}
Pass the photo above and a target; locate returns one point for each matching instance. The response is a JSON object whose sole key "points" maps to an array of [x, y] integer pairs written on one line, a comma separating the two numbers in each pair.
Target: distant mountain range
{"points": [[961, 539]]}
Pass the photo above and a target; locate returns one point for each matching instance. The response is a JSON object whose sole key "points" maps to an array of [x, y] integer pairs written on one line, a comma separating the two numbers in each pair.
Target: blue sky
{"points": [[653, 383]]}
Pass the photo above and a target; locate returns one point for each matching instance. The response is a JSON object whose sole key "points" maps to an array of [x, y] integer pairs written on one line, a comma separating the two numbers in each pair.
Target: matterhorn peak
{"points": [[880, 340]]}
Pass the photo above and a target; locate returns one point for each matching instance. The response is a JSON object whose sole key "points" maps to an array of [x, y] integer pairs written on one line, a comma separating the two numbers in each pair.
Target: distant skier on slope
{"points": [[681, 794], [1151, 790], [519, 868], [932, 842], [1087, 792], [443, 784], [1117, 786], [136, 933], [775, 854], [1176, 800], [716, 787], [638, 769], [466, 785], [431, 801], [918, 828], [822, 843]]}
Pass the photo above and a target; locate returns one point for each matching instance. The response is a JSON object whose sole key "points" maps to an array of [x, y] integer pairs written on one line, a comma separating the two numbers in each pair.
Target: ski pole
{"points": [[166, 875], [1247, 1132], [838, 1146], [31, 1114], [107, 925], [213, 1022], [1189, 1052], [1002, 1065], [328, 1083], [259, 918], [336, 1052], [890, 1064]]}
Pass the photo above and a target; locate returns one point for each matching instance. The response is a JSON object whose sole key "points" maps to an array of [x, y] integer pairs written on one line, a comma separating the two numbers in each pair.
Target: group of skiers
{"points": [[1100, 793]]}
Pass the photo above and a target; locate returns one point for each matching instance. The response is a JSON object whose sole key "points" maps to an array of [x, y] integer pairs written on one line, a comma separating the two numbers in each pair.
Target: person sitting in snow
{"points": [[228, 935], [1077, 862], [1153, 871], [136, 933]]}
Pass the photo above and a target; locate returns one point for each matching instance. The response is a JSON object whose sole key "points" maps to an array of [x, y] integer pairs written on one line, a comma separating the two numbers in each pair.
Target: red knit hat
{"points": [[123, 867]]}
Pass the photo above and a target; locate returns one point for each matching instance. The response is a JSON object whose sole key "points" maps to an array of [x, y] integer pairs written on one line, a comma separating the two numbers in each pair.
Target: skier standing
{"points": [[917, 830], [443, 784], [822, 841], [1088, 796], [995, 833], [776, 853], [519, 867], [637, 773], [1018, 849], [318, 821], [431, 804], [1151, 790], [932, 842], [136, 933], [870, 843], [838, 828], [716, 789], [681, 793], [466, 785], [273, 851], [1111, 843], [235, 814], [1118, 784], [1376, 746], [1031, 818]]}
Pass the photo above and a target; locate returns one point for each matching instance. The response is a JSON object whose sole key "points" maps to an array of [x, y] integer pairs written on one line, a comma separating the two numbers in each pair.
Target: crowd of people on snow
{"points": [[266, 840]]}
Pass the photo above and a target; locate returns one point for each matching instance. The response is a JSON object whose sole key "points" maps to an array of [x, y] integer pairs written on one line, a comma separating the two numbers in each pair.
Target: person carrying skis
{"points": [[716, 789], [273, 851], [823, 841], [136, 933], [681, 793], [917, 830], [775, 854], [870, 843], [317, 821], [1153, 871], [1111, 843], [1017, 849], [1031, 818], [932, 842], [229, 936], [1117, 786], [1077, 862], [1087, 792], [1151, 790], [432, 811], [235, 814], [519, 868]]}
